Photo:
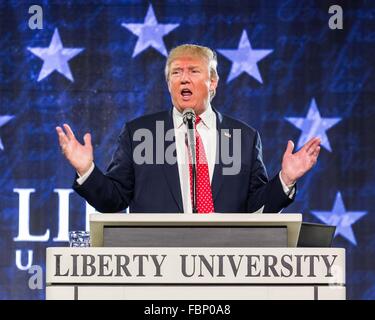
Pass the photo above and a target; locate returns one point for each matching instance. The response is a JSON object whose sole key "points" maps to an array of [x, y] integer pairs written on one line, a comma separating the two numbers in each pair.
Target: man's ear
{"points": [[169, 86], [213, 83]]}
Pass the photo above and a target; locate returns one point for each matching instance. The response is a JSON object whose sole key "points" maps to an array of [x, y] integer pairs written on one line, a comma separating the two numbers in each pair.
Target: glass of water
{"points": [[79, 238]]}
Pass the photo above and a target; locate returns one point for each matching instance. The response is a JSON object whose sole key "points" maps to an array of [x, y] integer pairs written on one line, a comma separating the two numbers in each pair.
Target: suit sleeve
{"points": [[262, 191], [113, 191]]}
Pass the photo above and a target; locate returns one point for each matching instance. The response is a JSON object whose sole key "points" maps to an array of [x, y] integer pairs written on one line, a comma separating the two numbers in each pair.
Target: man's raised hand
{"points": [[295, 165], [80, 156]]}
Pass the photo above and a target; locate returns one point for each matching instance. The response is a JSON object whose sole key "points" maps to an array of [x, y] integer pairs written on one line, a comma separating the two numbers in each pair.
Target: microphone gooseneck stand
{"points": [[189, 120]]}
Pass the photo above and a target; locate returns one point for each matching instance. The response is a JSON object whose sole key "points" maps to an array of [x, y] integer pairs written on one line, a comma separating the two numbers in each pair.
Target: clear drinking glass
{"points": [[79, 238]]}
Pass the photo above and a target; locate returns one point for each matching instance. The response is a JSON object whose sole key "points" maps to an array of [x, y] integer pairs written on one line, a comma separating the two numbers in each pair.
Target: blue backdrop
{"points": [[98, 64]]}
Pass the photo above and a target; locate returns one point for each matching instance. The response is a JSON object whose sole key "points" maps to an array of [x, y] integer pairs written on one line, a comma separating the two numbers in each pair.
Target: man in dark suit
{"points": [[151, 169]]}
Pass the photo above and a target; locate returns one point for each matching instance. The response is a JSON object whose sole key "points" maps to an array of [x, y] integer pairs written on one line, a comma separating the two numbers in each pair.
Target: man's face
{"points": [[190, 83]]}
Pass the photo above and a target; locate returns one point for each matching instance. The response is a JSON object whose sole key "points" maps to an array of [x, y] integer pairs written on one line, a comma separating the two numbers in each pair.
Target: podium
{"points": [[195, 257]]}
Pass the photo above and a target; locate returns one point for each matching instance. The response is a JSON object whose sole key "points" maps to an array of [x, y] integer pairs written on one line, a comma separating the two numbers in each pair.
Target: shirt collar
{"points": [[207, 117]]}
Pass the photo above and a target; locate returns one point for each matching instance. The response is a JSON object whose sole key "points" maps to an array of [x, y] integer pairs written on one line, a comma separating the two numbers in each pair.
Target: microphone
{"points": [[188, 116]]}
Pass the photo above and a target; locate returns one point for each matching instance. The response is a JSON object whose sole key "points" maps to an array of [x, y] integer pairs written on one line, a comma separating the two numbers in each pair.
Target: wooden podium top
{"points": [[99, 221]]}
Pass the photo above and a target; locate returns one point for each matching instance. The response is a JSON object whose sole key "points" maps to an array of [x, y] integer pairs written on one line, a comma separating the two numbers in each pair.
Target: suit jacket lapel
{"points": [[217, 178], [171, 170]]}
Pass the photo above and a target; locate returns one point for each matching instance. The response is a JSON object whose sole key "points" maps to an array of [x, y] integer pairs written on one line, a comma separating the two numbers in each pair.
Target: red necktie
{"points": [[205, 203]]}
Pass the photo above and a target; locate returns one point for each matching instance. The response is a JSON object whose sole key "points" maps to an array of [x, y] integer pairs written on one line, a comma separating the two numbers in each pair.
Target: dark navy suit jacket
{"points": [[155, 188]]}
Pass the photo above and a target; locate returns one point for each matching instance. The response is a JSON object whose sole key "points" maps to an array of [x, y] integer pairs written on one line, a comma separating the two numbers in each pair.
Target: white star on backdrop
{"points": [[245, 58], [313, 126], [3, 121], [150, 33], [55, 57], [341, 218]]}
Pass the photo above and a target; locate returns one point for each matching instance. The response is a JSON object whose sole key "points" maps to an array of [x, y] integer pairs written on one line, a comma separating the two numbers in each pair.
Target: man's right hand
{"points": [[80, 156]]}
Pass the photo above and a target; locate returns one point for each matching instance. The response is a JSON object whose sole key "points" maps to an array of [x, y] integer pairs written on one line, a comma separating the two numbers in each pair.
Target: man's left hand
{"points": [[294, 166]]}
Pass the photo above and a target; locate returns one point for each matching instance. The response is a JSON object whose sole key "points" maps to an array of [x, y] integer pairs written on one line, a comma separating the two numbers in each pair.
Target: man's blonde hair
{"points": [[197, 51]]}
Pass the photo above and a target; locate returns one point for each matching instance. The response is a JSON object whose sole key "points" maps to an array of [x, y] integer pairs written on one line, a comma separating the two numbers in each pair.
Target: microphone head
{"points": [[188, 115]]}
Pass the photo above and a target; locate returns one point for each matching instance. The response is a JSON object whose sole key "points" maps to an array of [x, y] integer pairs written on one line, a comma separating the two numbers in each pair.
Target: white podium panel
{"points": [[196, 293], [195, 273]]}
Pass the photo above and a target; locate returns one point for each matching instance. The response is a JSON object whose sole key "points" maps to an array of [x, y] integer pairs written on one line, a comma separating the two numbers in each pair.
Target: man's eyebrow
{"points": [[189, 67], [176, 68]]}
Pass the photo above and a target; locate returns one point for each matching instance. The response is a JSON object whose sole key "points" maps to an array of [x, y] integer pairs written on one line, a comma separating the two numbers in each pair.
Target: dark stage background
{"points": [[93, 65]]}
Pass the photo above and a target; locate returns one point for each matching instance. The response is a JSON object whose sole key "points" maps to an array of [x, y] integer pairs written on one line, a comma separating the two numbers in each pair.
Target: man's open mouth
{"points": [[186, 93]]}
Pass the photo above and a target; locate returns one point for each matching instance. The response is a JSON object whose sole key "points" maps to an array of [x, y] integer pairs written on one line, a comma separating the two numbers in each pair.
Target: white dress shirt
{"points": [[207, 131]]}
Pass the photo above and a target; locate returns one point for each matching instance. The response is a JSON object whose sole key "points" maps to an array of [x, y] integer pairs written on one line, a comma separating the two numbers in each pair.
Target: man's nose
{"points": [[185, 77]]}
